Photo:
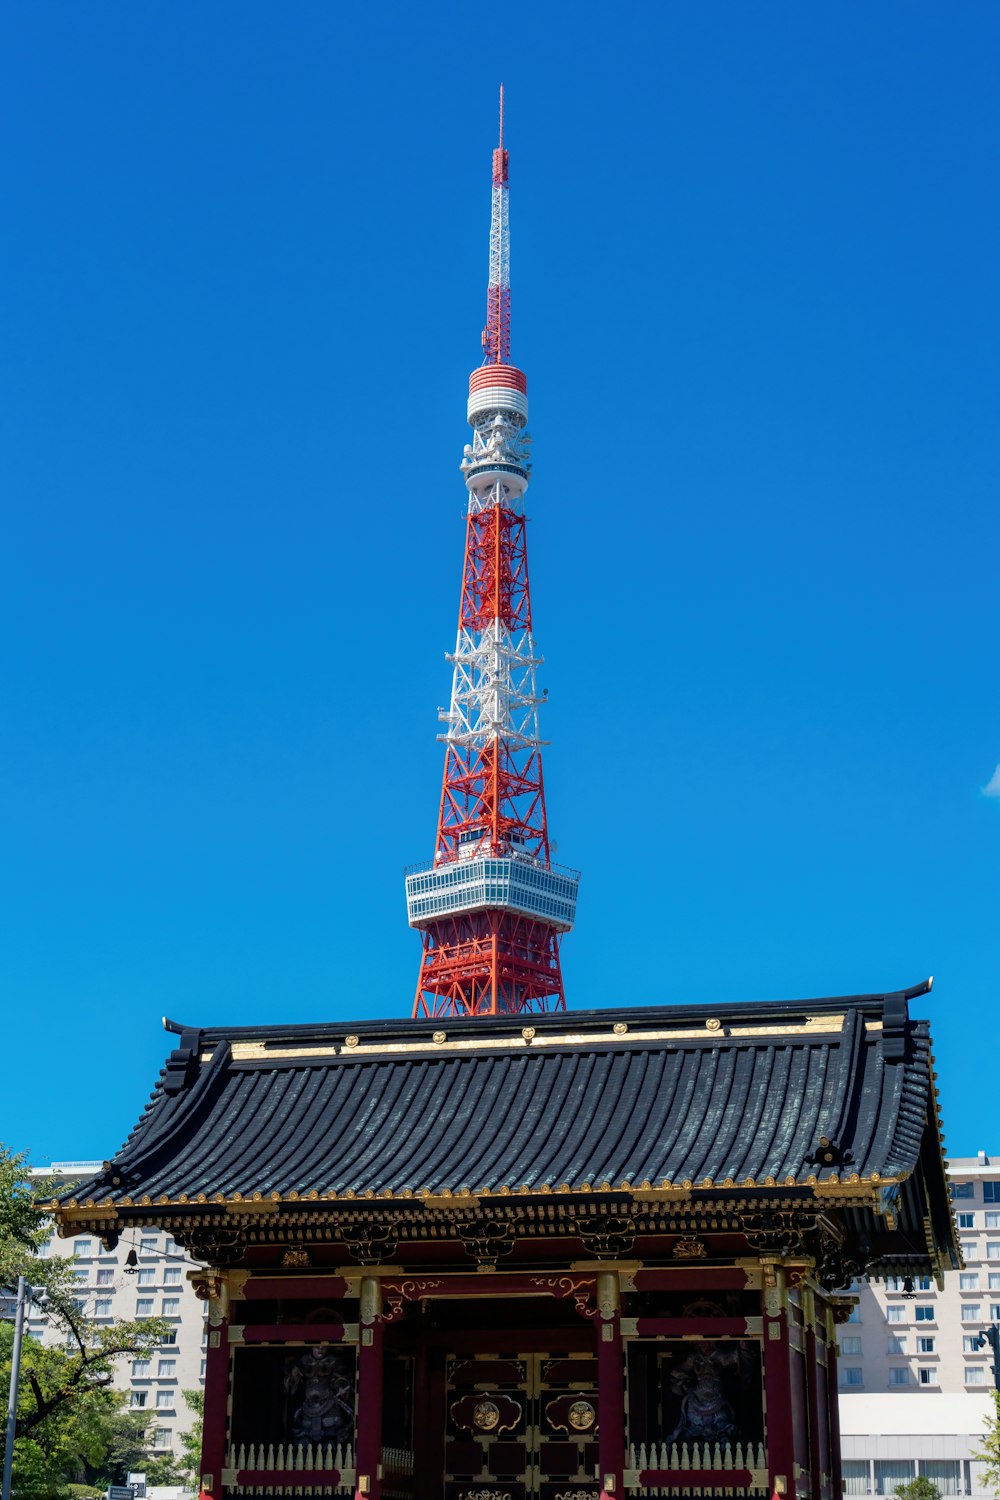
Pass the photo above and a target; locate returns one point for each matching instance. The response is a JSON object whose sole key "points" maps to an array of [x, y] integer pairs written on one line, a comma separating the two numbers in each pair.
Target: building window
{"points": [[926, 1375], [969, 1343], [944, 1472], [161, 1437], [896, 1344], [105, 1276], [172, 1276], [853, 1375], [170, 1337], [140, 1369], [968, 1281], [894, 1283], [899, 1375], [144, 1307], [975, 1375], [991, 1192], [995, 1312], [171, 1307], [83, 1249], [167, 1369], [164, 1400], [925, 1344], [102, 1307], [923, 1283], [854, 1472], [993, 1249], [137, 1398], [850, 1345], [968, 1249], [968, 1221], [147, 1246], [967, 1190], [204, 1367], [895, 1314], [972, 1312], [993, 1281], [992, 1220], [924, 1312], [146, 1276], [889, 1472]]}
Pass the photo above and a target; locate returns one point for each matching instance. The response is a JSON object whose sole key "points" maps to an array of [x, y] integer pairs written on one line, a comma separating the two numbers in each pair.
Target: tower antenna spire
{"points": [[496, 334], [492, 907]]}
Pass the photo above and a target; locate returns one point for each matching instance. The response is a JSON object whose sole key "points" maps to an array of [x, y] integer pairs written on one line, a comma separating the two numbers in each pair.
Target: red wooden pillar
{"points": [[368, 1455], [610, 1387], [833, 1403], [780, 1422], [213, 1441], [818, 1446]]}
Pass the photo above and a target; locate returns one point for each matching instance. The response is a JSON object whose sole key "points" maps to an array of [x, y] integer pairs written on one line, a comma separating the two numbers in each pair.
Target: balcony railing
{"points": [[708, 1468]]}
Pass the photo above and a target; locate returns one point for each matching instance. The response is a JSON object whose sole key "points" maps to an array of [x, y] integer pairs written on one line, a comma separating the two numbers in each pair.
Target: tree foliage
{"points": [[69, 1418], [988, 1452], [920, 1488], [190, 1459]]}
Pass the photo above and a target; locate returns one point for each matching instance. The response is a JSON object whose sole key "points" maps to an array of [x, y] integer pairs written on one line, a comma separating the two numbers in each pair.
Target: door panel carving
{"points": [[522, 1429]]}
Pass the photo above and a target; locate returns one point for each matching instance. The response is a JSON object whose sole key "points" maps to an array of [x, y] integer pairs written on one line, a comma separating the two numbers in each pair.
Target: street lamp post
{"points": [[986, 1336], [15, 1374]]}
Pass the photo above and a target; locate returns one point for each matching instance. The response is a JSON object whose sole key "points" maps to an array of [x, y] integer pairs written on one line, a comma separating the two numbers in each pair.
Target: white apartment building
{"points": [[145, 1276], [915, 1387]]}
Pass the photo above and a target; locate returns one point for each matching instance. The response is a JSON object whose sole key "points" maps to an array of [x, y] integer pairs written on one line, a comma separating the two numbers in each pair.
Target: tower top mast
{"points": [[496, 334]]}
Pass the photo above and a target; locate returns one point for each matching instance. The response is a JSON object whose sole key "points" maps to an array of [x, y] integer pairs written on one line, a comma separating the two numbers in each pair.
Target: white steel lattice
{"points": [[500, 237]]}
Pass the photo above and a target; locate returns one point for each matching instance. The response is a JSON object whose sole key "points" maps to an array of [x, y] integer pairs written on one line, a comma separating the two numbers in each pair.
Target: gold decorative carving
{"points": [[620, 1028], [689, 1250], [296, 1258], [582, 1415], [528, 1033], [439, 1037], [486, 1415], [713, 1024], [609, 1299], [351, 1041], [371, 1300]]}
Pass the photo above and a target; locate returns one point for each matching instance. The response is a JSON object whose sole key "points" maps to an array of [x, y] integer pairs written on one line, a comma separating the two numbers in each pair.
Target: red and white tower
{"points": [[492, 906]]}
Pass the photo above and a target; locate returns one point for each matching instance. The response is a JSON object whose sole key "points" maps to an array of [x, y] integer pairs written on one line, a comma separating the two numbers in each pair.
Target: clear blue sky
{"points": [[756, 295]]}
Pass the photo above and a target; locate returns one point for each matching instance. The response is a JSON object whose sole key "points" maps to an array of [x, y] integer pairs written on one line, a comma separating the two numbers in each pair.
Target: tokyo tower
{"points": [[492, 906]]}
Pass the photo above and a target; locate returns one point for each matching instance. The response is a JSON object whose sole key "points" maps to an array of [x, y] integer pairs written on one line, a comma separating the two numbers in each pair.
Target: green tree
{"points": [[989, 1450], [920, 1488], [66, 1409], [189, 1462]]}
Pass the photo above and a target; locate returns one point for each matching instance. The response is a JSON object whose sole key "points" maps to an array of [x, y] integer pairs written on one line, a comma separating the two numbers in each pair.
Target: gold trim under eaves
{"points": [[258, 1204], [260, 1051]]}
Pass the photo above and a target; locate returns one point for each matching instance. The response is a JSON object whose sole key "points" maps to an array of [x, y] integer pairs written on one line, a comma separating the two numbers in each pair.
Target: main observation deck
{"points": [[509, 882]]}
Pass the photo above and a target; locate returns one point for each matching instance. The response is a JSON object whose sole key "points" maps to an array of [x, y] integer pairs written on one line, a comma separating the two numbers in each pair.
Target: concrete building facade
{"points": [[915, 1386]]}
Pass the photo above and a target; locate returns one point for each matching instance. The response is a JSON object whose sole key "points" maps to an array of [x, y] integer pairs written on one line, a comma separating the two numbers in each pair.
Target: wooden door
{"points": [[521, 1427]]}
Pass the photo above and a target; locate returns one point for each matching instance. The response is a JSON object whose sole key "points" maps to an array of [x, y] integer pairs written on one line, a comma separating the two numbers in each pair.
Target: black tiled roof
{"points": [[706, 1097]]}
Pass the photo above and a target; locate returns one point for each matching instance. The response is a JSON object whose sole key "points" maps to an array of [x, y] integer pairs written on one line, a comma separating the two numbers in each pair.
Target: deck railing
{"points": [[708, 1469], [272, 1468]]}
